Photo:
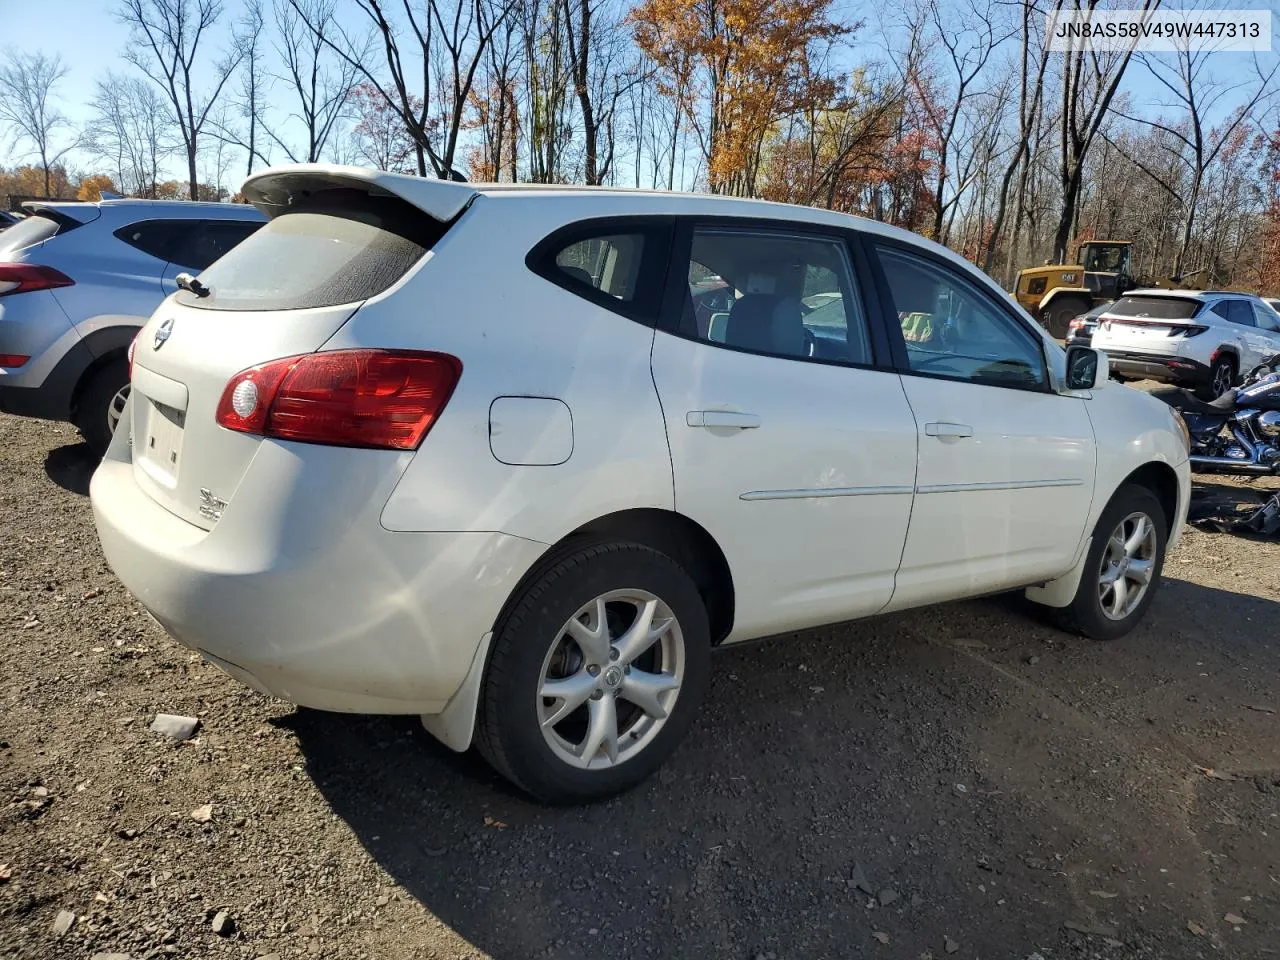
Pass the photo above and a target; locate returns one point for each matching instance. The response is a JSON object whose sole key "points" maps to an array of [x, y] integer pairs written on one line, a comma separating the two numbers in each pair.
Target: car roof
{"points": [[270, 190], [1201, 295], [126, 207]]}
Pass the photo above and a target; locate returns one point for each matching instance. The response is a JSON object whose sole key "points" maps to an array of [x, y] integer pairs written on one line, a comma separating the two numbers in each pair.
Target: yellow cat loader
{"points": [[1056, 294]]}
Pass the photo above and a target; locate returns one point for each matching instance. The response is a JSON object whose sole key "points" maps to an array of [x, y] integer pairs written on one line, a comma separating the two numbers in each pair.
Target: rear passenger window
{"points": [[609, 264], [1241, 313], [158, 238], [341, 246], [781, 294]]}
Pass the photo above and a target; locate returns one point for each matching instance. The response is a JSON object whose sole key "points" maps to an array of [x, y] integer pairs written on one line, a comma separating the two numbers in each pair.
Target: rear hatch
{"points": [[336, 237], [1147, 323]]}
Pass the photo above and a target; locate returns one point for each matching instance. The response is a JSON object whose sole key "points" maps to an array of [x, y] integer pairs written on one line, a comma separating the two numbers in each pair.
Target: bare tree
{"points": [[595, 41], [1198, 96], [166, 45], [320, 80], [968, 36], [27, 108], [251, 82], [444, 46], [131, 128], [1030, 99], [1090, 79]]}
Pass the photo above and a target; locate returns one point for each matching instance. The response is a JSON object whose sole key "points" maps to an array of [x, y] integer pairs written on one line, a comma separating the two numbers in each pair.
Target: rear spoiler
{"points": [[66, 213], [275, 189]]}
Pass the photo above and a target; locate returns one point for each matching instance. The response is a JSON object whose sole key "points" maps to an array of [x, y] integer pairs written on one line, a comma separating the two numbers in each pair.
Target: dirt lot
{"points": [[961, 782]]}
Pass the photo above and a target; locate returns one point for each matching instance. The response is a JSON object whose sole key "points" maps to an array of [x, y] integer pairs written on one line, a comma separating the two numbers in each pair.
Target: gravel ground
{"points": [[960, 782]]}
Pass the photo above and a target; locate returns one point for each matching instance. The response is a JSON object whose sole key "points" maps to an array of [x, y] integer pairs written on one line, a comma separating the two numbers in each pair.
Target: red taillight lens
{"points": [[13, 359], [25, 277], [1189, 330], [347, 398], [133, 345]]}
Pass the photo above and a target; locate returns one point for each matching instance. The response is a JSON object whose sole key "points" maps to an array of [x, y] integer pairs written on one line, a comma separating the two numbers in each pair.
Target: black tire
{"points": [[95, 400], [1222, 372], [508, 730], [1060, 313], [1085, 614]]}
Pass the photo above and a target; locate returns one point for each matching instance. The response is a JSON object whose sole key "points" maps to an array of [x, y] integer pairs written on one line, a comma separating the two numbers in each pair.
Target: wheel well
{"points": [[89, 373], [1159, 478], [684, 541], [1228, 352]]}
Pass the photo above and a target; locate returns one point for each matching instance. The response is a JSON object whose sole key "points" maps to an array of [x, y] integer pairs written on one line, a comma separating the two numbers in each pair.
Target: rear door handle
{"points": [[722, 418], [948, 430]]}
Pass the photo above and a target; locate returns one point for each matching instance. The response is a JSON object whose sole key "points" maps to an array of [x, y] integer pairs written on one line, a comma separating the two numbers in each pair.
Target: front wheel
{"points": [[596, 673], [1058, 316], [1123, 566]]}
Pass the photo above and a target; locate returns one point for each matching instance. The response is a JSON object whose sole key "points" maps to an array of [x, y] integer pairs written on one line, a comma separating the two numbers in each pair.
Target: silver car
{"points": [[77, 281]]}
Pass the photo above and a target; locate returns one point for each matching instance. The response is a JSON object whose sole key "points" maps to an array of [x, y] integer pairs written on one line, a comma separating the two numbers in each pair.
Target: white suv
{"points": [[77, 280], [1192, 338], [496, 456]]}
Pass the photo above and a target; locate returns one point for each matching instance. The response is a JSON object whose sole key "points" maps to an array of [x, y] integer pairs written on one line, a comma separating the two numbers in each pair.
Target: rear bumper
{"points": [[322, 608], [1179, 370]]}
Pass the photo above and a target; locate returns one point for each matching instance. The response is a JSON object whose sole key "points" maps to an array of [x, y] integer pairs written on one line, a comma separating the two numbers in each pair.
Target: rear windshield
{"points": [[1154, 308], [28, 231], [341, 246]]}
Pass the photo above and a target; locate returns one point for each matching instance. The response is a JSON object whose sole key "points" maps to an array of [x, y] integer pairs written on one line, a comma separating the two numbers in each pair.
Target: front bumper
{"points": [[1171, 369], [326, 609]]}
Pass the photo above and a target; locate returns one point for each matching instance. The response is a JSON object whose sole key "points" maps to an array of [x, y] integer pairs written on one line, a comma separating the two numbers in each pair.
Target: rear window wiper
{"points": [[187, 282]]}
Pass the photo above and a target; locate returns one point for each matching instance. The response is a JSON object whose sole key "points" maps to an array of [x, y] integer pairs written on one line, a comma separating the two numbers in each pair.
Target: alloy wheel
{"points": [[610, 679], [1128, 565], [1221, 379], [116, 408]]}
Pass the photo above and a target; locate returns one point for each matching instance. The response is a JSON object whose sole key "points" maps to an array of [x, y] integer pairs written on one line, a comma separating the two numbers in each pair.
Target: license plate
{"points": [[161, 452]]}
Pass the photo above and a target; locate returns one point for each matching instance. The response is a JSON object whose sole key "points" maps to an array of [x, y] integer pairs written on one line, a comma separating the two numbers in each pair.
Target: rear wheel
{"points": [[1059, 314], [1222, 377], [1123, 567], [101, 402], [595, 674]]}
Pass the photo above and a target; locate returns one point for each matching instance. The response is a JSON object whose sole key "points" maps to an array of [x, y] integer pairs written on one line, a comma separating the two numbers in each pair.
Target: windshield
{"points": [[1155, 308]]}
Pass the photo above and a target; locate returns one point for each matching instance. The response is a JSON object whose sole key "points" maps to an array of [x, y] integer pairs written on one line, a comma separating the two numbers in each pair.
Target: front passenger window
{"points": [[952, 329]]}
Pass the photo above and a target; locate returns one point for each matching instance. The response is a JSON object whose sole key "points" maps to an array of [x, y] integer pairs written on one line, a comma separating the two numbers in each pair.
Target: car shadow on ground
{"points": [[71, 467], [966, 777]]}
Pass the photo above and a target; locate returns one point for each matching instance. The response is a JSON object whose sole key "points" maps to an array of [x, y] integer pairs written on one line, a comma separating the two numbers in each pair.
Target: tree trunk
{"points": [[191, 170]]}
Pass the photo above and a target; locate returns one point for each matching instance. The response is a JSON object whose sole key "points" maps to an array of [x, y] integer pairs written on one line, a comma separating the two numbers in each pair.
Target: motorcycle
{"points": [[1241, 432]]}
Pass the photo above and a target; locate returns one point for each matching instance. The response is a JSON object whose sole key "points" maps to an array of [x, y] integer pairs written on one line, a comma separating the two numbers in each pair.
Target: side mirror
{"points": [[1087, 369]]}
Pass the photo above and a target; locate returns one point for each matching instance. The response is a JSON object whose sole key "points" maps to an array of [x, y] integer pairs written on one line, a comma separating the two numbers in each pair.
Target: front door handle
{"points": [[722, 418], [948, 430]]}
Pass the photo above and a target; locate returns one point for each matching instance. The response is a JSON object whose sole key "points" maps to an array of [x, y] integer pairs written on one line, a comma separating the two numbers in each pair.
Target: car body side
{"points": [[451, 531]]}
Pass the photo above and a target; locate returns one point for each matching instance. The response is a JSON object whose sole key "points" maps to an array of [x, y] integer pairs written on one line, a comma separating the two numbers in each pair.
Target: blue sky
{"points": [[91, 41]]}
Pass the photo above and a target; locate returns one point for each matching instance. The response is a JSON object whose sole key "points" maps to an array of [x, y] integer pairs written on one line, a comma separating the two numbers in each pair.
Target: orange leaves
{"points": [[91, 187], [737, 67]]}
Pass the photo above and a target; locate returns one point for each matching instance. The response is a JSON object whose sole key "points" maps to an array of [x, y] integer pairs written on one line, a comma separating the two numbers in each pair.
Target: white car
{"points": [[527, 508], [1193, 338]]}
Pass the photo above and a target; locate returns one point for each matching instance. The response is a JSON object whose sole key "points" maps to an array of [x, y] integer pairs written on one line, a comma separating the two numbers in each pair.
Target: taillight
{"points": [[25, 277], [133, 345], [348, 398], [1075, 324], [12, 360], [1189, 330]]}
